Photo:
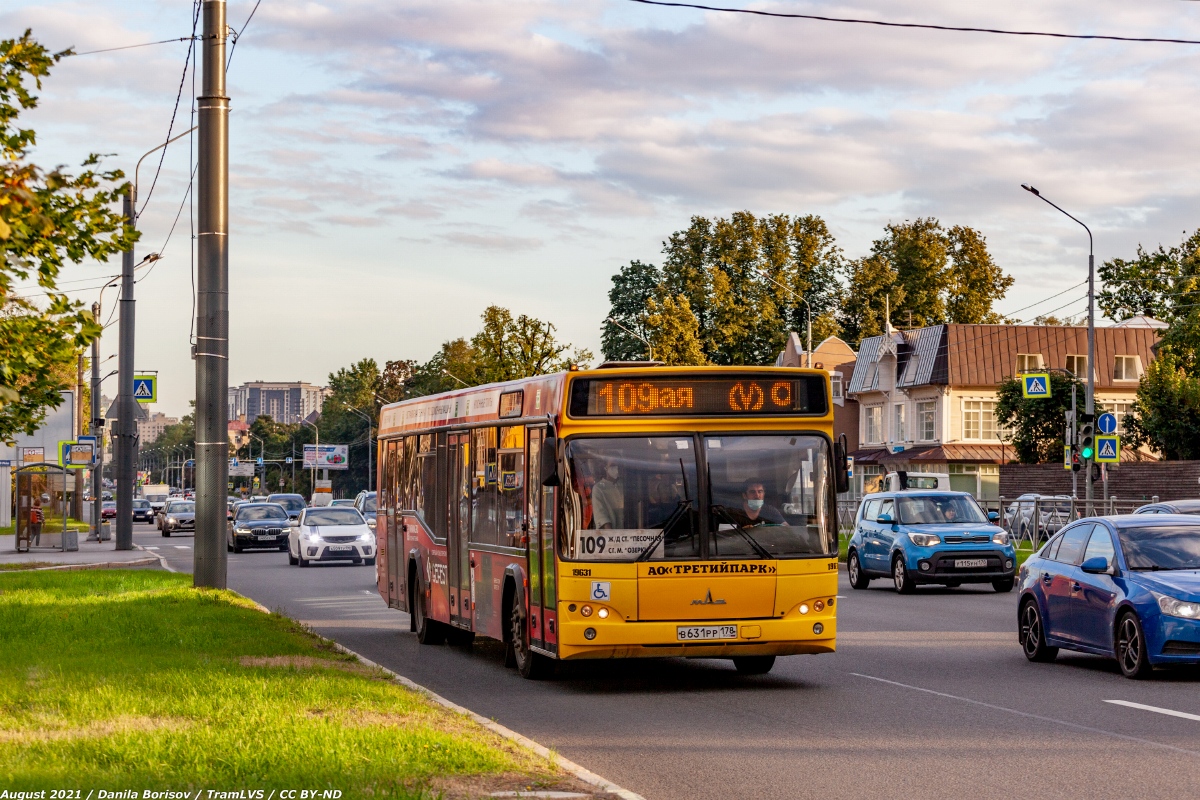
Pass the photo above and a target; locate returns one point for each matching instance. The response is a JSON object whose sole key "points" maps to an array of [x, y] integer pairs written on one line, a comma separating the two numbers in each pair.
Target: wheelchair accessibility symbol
{"points": [[601, 590]]}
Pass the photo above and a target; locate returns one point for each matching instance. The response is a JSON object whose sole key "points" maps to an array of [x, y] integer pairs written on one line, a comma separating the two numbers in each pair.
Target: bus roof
{"points": [[544, 396]]}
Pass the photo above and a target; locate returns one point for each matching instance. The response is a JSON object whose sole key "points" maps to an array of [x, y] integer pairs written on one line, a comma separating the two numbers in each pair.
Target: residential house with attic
{"points": [[927, 396]]}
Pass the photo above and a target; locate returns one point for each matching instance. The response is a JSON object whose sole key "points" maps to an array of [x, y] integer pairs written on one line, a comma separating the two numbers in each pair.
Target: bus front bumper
{"points": [[615, 638]]}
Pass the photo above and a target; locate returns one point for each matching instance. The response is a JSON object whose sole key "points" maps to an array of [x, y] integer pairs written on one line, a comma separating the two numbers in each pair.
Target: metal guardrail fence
{"points": [[1029, 520]]}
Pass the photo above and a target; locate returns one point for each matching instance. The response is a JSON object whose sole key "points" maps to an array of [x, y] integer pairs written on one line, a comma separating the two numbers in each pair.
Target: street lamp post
{"points": [[313, 474], [370, 449], [1090, 400]]}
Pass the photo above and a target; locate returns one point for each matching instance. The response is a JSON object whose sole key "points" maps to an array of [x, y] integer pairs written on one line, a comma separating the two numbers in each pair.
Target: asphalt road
{"points": [[927, 696]]}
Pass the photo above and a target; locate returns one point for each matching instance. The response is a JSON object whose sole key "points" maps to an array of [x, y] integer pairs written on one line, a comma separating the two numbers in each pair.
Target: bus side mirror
{"points": [[550, 462], [841, 472]]}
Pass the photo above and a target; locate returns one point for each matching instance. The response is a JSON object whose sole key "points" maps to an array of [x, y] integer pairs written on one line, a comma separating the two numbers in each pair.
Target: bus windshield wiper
{"points": [[684, 505], [724, 512]]}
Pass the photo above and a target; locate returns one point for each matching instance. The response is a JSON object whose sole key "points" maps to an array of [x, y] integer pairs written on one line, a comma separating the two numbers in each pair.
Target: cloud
{"points": [[492, 241]]}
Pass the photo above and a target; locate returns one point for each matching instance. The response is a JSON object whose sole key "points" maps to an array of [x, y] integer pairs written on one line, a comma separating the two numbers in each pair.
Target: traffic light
{"points": [[1087, 436]]}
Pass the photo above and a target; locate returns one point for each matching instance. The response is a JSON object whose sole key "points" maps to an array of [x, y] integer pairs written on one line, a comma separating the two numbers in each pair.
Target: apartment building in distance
{"points": [[152, 427], [927, 396], [283, 402]]}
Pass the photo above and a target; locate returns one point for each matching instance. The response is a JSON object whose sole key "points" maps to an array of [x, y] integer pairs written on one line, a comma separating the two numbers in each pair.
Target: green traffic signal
{"points": [[1087, 438], [1088, 452]]}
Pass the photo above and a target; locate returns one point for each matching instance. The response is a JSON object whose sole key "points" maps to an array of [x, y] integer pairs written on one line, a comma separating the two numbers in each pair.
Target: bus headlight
{"points": [[586, 610], [602, 613]]}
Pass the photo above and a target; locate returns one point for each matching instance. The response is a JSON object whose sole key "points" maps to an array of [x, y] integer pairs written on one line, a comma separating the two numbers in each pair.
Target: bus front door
{"points": [[458, 529], [532, 531]]}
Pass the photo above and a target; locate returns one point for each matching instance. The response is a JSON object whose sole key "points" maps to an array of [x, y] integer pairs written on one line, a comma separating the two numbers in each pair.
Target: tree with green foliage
{"points": [[511, 347], [47, 219], [350, 416], [872, 287], [674, 332], [1036, 425], [1166, 414], [632, 289]]}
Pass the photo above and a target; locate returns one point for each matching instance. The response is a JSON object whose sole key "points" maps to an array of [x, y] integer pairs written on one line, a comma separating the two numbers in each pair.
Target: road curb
{"points": [[583, 774], [141, 562], [161, 560]]}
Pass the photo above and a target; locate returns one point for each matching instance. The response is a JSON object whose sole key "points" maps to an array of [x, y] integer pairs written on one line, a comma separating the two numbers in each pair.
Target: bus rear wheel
{"points": [[753, 665], [531, 665]]}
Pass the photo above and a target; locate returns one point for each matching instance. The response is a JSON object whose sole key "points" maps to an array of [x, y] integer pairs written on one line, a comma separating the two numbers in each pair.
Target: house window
{"points": [[900, 434], [869, 383], [979, 419], [1029, 362], [1119, 410], [835, 383], [874, 424], [926, 419], [1077, 366], [1127, 368]]}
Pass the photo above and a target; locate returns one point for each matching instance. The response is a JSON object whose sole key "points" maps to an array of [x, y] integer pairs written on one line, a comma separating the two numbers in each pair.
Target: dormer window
{"points": [[1127, 368], [1029, 362]]}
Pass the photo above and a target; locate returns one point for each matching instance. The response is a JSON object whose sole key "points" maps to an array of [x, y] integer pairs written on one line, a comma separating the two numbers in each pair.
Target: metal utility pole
{"points": [[97, 430], [125, 432], [212, 307], [370, 448], [77, 500], [1090, 401]]}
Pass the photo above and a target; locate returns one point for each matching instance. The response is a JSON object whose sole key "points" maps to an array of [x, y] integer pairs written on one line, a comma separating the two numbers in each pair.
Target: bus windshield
{"points": [[637, 498]]}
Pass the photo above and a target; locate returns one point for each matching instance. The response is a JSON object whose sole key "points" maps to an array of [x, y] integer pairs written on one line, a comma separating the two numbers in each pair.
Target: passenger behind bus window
{"points": [[608, 498]]}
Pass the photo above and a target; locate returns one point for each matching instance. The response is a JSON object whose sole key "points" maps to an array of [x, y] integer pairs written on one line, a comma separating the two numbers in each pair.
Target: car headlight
{"points": [[367, 537], [1177, 608], [171, 520], [241, 530], [924, 539], [1000, 538]]}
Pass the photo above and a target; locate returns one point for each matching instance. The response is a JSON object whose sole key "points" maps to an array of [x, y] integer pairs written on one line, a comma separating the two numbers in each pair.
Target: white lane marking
{"points": [[150, 547], [1155, 709], [182, 547], [1027, 715]]}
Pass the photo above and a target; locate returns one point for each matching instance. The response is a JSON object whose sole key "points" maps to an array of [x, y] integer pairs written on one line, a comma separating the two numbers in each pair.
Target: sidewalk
{"points": [[88, 554]]}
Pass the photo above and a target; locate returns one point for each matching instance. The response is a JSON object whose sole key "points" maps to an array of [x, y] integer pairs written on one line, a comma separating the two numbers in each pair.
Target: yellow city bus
{"points": [[631, 511]]}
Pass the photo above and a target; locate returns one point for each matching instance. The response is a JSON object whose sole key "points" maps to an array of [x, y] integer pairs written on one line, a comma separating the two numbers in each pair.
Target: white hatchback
{"points": [[333, 533]]}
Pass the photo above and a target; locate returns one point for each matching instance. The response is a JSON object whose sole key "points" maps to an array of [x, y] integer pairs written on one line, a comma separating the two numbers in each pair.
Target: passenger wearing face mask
{"points": [[754, 507], [608, 499]]}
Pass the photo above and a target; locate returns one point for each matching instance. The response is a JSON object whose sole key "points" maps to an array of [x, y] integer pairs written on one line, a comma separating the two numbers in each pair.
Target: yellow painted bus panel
{"points": [[706, 590]]}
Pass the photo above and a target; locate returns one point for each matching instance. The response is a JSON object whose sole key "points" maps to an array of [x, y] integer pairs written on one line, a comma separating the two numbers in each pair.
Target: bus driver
{"points": [[754, 510]]}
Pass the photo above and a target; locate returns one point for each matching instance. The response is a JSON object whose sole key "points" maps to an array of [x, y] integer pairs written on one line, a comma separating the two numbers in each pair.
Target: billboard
{"points": [[327, 456]]}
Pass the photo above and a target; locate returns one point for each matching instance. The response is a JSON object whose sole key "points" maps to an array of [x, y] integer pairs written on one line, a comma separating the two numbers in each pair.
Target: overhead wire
{"points": [[193, 37], [238, 34], [918, 25]]}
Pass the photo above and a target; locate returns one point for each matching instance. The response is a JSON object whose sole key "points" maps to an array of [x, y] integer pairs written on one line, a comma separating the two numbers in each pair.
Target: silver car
{"points": [[1054, 511], [179, 516]]}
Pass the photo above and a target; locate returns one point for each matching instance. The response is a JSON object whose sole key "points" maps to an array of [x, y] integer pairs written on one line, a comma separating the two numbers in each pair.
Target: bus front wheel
{"points": [[531, 665], [429, 631], [753, 665]]}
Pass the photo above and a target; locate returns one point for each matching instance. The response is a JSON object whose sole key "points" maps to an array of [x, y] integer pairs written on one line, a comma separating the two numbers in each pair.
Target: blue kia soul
{"points": [[918, 537], [1126, 586]]}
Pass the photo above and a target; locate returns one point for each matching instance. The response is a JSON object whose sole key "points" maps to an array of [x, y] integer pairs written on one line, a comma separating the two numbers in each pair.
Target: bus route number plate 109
{"points": [[699, 633]]}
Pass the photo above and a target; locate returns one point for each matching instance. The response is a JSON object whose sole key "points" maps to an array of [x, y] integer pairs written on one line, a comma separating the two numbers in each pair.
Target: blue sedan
{"points": [[917, 537], [1126, 587]]}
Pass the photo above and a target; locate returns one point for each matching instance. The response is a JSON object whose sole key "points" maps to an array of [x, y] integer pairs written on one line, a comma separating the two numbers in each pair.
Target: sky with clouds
{"points": [[397, 166]]}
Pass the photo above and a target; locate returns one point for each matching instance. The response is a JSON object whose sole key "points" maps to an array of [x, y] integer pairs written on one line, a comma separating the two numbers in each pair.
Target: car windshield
{"points": [[255, 513], [1161, 547], [108, 505], [290, 503], [333, 516], [639, 498], [369, 503], [181, 508], [141, 503], [945, 509]]}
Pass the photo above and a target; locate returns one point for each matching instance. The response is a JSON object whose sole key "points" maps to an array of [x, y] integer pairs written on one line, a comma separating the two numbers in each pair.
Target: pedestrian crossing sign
{"points": [[145, 388], [1035, 384], [1108, 449]]}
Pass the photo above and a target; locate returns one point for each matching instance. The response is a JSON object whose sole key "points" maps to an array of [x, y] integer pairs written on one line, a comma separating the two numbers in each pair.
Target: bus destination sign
{"points": [[756, 395]]}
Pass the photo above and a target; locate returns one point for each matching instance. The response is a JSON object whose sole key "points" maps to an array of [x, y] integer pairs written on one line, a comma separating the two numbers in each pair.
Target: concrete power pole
{"points": [[125, 435], [77, 500], [212, 307], [97, 431]]}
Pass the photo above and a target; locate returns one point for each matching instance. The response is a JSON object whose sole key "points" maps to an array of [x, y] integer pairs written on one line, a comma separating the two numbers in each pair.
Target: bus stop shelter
{"points": [[43, 507]]}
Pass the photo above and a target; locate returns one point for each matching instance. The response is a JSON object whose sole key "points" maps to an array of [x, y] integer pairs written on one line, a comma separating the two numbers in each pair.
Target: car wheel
{"points": [[901, 577], [1032, 634], [370, 562], [531, 665], [237, 548], [300, 555], [1131, 647], [1004, 585], [291, 558], [228, 545], [858, 579], [428, 631], [166, 533], [953, 584], [753, 665]]}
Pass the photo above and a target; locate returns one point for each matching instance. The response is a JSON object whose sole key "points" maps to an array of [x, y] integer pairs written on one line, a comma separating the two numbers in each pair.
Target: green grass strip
{"points": [[121, 679]]}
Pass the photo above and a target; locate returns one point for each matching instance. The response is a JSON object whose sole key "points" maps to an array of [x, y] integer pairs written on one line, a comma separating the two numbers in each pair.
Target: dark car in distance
{"points": [[142, 511], [293, 504], [258, 525], [1190, 506]]}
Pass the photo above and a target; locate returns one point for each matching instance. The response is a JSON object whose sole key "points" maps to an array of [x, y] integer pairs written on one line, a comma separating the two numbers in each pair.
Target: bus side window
{"points": [[484, 494]]}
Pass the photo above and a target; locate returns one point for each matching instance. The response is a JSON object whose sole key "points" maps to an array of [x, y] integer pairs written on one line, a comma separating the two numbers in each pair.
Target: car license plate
{"points": [[968, 563], [340, 548], [264, 536], [693, 633]]}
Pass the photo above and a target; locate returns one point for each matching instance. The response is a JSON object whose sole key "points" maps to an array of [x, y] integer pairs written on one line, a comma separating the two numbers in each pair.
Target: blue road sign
{"points": [[233, 462], [1108, 449], [1035, 384], [1107, 423], [260, 461], [145, 388]]}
